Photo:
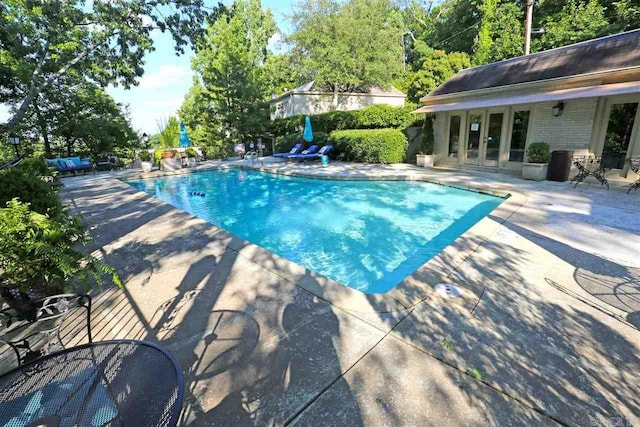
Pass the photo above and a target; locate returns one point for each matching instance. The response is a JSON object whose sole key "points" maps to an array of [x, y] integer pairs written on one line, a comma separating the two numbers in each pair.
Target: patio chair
{"points": [[634, 165], [295, 150], [311, 150], [29, 342], [589, 166], [314, 156]]}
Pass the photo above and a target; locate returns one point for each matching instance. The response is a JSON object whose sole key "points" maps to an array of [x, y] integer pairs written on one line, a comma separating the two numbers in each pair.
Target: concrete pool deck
{"points": [[548, 326]]}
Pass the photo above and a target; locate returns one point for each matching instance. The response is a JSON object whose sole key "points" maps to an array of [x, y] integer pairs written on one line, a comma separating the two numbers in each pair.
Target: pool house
{"points": [[582, 97]]}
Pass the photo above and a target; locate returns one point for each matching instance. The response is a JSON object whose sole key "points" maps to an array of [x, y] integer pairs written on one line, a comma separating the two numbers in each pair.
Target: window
{"points": [[519, 135], [454, 136]]}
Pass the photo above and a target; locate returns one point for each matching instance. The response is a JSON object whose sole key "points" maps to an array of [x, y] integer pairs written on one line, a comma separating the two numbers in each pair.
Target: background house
{"points": [[582, 97], [308, 100]]}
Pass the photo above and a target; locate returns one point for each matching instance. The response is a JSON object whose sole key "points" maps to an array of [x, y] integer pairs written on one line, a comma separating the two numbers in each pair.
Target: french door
{"points": [[485, 132]]}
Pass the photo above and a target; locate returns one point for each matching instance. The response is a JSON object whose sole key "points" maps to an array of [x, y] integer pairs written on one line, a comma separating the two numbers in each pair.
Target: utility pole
{"points": [[527, 35]]}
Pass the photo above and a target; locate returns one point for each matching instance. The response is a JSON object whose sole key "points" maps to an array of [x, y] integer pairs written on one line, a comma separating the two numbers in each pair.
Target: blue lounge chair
{"points": [[311, 150], [70, 164], [313, 156], [295, 150]]}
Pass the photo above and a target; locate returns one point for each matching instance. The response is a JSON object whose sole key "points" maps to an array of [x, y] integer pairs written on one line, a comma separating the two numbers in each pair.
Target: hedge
{"points": [[373, 117], [369, 145]]}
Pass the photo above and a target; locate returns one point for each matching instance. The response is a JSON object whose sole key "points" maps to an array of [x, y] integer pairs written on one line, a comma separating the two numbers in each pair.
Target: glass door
{"points": [[491, 148], [474, 136], [617, 142]]}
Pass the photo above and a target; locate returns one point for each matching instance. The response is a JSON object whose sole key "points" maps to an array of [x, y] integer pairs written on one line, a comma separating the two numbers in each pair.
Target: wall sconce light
{"points": [[556, 110]]}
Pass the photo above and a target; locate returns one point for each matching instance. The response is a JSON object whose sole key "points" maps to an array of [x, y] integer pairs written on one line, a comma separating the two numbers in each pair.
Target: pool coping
{"points": [[413, 290]]}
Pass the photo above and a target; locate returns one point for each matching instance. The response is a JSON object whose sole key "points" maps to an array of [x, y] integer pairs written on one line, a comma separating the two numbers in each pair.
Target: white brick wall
{"points": [[571, 131]]}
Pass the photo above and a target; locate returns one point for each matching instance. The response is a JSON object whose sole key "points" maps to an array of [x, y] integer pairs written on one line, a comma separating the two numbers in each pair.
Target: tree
{"points": [[348, 46], [484, 39], [42, 40], [230, 64], [283, 72], [570, 21], [436, 66]]}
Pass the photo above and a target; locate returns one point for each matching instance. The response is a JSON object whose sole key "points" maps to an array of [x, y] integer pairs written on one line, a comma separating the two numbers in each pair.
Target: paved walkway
{"points": [[551, 335]]}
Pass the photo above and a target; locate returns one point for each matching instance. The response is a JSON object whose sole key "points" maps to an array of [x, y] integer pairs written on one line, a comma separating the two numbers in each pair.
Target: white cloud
{"points": [[166, 75]]}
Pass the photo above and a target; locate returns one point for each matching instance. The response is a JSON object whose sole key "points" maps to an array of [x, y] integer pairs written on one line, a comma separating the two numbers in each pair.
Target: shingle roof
{"points": [[604, 54]]}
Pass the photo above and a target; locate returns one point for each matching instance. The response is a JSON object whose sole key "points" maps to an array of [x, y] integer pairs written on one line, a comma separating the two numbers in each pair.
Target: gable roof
{"points": [[609, 53]]}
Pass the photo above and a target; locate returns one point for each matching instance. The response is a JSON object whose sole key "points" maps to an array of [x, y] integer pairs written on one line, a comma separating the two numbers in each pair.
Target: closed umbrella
{"points": [[308, 132], [184, 138]]}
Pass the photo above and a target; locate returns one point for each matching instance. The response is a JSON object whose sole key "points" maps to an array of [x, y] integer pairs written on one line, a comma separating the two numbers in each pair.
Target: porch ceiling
{"points": [[554, 95]]}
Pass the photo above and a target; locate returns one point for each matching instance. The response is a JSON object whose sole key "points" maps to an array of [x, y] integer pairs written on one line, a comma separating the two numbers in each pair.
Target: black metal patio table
{"points": [[107, 383]]}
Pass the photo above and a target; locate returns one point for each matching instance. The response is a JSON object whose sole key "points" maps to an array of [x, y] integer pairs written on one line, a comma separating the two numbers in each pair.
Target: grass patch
{"points": [[448, 344], [475, 373]]}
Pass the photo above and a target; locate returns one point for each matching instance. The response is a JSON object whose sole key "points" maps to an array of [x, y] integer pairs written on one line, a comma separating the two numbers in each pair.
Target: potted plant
{"points": [[537, 164], [145, 161], [425, 157], [39, 257], [191, 157]]}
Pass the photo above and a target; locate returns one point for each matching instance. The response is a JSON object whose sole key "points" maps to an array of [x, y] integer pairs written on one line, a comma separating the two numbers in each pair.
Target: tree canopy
{"points": [[344, 46], [42, 40]]}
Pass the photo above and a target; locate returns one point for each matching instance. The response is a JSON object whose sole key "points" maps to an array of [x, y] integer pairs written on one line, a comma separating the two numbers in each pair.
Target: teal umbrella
{"points": [[184, 138], [308, 133]]}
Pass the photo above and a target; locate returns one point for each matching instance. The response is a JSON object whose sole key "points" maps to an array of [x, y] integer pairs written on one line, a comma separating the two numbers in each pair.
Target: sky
{"points": [[167, 77]]}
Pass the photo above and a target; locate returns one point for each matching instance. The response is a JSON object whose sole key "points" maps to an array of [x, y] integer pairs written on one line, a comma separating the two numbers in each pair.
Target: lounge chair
{"points": [[70, 164], [314, 156], [295, 150], [311, 150]]}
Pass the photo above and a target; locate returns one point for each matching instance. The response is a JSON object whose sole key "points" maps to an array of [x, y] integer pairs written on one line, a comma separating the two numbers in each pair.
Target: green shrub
{"points": [[538, 152], [39, 252], [157, 156], [373, 117], [29, 188], [38, 167], [190, 152], [427, 138], [145, 156], [369, 145]]}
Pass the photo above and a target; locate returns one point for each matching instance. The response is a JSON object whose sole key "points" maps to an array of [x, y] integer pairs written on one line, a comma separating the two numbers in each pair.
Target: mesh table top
{"points": [[108, 383]]}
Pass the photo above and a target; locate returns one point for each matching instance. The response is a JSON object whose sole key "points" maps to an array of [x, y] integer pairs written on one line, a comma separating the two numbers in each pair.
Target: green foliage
{"points": [[427, 138], [538, 152], [37, 167], [190, 152], [283, 72], [448, 344], [39, 252], [475, 373], [169, 131], [157, 156], [374, 117], [344, 46], [229, 64], [576, 21], [433, 68], [145, 156], [369, 145], [483, 43], [22, 184], [101, 41]]}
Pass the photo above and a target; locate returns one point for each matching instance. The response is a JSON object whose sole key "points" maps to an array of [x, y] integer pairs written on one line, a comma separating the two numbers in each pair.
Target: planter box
{"points": [[173, 164], [424, 160], [535, 171], [146, 166]]}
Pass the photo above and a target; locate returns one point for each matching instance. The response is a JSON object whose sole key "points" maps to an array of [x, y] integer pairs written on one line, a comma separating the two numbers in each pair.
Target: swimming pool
{"points": [[368, 235]]}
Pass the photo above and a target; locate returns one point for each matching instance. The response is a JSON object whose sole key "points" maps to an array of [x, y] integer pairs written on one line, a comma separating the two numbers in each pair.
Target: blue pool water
{"points": [[368, 235]]}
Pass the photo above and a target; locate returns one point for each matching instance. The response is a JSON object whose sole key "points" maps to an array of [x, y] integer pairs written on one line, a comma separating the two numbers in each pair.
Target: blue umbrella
{"points": [[184, 138], [308, 133]]}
